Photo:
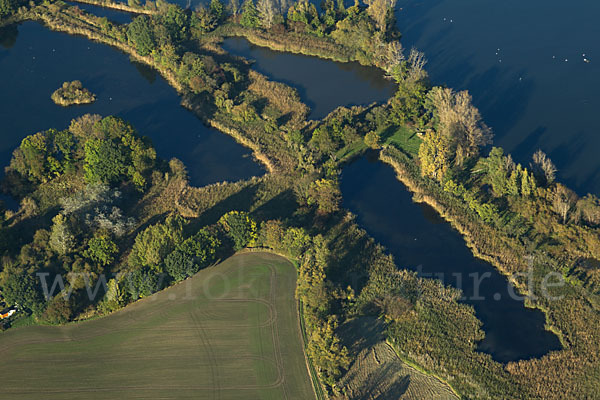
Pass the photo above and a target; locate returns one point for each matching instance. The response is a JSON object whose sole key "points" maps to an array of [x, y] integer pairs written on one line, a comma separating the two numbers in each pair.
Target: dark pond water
{"points": [[537, 91], [421, 241], [118, 16], [35, 62], [323, 85]]}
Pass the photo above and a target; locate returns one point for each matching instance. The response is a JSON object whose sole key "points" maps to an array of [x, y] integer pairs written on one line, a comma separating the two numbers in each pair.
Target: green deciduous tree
{"points": [[240, 228], [325, 193], [44, 155], [140, 35], [104, 161], [23, 290], [202, 21], [101, 249], [59, 311], [176, 22], [116, 152], [408, 103], [192, 255], [249, 17], [217, 9], [152, 245], [504, 176]]}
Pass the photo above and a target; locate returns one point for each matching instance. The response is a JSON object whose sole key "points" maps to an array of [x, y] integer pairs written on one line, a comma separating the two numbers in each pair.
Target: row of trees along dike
{"points": [[434, 137]]}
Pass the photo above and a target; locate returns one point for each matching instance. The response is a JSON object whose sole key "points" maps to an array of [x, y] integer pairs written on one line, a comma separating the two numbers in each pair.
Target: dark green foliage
{"points": [[23, 290], [104, 161], [176, 22], [140, 35], [179, 265], [101, 249], [112, 153], [304, 17], [408, 104], [142, 283], [240, 228], [250, 17], [325, 140], [202, 21], [44, 156], [118, 154], [217, 9], [191, 256], [504, 176], [199, 73], [155, 243]]}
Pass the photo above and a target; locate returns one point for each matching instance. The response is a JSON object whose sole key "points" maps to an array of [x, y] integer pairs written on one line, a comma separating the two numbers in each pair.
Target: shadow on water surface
{"points": [[384, 207], [8, 36]]}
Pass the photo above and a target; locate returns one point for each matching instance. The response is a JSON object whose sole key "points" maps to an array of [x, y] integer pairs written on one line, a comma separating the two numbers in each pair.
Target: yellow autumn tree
{"points": [[435, 155]]}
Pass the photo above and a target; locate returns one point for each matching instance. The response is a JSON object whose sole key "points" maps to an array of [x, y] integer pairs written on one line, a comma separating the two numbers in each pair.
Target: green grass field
{"points": [[230, 332], [403, 138]]}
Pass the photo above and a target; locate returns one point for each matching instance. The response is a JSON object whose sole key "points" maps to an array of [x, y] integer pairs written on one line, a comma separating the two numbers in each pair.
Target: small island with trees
{"points": [[72, 93]]}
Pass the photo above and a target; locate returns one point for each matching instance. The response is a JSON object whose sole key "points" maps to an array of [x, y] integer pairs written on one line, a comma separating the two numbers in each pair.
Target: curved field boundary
{"points": [[177, 343]]}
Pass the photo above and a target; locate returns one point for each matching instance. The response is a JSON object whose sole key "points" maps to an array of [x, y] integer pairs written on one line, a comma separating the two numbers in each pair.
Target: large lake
{"points": [[35, 61], [524, 64]]}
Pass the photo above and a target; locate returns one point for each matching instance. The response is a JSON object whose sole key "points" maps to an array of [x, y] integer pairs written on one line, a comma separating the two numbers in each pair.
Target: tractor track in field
{"points": [[212, 361]]}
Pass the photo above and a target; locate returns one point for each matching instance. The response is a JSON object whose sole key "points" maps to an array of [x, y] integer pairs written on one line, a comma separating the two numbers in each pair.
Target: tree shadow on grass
{"points": [[279, 207], [240, 201], [362, 333]]}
